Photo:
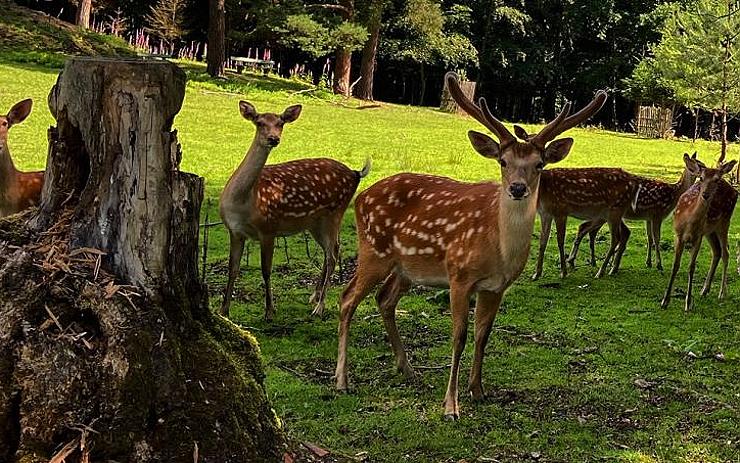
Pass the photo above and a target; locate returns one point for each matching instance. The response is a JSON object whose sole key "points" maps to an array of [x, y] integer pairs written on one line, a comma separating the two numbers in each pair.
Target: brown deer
{"points": [[704, 210], [436, 231], [18, 190], [654, 202], [263, 202], [596, 194]]}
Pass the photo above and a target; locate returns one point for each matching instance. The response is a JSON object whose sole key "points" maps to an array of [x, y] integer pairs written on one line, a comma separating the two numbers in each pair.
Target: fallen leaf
{"points": [[318, 451]]}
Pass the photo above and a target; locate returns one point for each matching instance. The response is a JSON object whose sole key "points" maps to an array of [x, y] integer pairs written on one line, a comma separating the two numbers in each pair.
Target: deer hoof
{"points": [[664, 303], [477, 394], [536, 275], [408, 372], [452, 416]]}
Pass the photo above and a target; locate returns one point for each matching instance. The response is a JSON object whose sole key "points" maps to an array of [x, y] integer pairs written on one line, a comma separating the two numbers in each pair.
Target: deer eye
{"points": [[502, 162]]}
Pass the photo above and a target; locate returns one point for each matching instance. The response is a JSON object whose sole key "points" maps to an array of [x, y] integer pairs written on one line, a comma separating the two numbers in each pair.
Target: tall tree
{"points": [[370, 50], [216, 37], [698, 56], [166, 20], [84, 9]]}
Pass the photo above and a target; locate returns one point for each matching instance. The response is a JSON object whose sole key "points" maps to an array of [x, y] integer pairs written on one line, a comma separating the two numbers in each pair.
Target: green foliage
{"points": [[698, 55], [348, 36], [426, 35], [646, 84], [302, 32], [316, 39]]}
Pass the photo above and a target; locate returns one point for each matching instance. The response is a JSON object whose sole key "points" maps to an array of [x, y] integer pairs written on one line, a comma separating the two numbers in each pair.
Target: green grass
{"points": [[30, 36], [562, 362]]}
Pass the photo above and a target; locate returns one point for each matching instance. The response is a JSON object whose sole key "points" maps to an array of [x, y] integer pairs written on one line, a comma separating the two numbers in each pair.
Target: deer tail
{"points": [[365, 169]]}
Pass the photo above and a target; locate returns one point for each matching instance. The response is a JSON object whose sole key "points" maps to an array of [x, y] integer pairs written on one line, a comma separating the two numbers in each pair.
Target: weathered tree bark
{"points": [[448, 104], [106, 341], [216, 37], [84, 9], [364, 89]]}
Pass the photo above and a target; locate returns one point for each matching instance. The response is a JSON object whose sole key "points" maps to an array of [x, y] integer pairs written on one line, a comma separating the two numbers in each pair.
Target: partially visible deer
{"points": [[470, 237], [704, 210], [596, 194], [18, 190], [654, 202], [263, 202]]}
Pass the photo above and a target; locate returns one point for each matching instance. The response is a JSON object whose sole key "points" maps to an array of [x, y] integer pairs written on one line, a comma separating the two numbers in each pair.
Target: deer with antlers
{"points": [[472, 238], [18, 190], [654, 201], [263, 202], [705, 209]]}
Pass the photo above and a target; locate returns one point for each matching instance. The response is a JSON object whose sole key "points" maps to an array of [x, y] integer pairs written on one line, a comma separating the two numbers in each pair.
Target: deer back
{"points": [[586, 191], [304, 188]]}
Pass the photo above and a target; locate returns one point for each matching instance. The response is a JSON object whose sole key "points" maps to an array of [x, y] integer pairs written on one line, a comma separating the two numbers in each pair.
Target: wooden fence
{"points": [[654, 122]]}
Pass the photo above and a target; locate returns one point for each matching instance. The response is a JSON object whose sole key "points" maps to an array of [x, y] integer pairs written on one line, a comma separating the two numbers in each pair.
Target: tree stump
{"points": [[449, 105], [107, 348]]}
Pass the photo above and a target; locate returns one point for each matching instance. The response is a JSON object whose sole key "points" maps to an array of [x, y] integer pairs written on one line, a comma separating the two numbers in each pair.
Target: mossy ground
{"points": [[577, 369]]}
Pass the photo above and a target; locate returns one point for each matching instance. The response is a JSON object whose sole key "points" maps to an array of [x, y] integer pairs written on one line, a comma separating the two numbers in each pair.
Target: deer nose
{"points": [[517, 190], [273, 140]]}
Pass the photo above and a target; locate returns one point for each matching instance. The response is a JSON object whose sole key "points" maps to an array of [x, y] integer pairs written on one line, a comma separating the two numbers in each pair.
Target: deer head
{"points": [[17, 114], [521, 161], [709, 179], [269, 125]]}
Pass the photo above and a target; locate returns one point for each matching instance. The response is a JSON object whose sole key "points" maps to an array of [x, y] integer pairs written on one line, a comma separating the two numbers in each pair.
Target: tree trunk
{"points": [[216, 37], [696, 125], [83, 13], [343, 57], [107, 345], [342, 68], [369, 53]]}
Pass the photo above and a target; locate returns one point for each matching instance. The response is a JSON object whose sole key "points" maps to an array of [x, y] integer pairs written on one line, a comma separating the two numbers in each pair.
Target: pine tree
{"points": [[166, 20]]}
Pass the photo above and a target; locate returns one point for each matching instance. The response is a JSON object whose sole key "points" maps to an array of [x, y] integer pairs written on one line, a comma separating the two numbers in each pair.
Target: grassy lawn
{"points": [[576, 369]]}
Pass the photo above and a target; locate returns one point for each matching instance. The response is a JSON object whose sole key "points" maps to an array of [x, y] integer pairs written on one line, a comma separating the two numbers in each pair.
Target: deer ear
{"points": [[693, 156], [249, 112], [557, 150], [20, 111], [692, 164], [521, 133], [291, 113], [484, 145], [727, 167]]}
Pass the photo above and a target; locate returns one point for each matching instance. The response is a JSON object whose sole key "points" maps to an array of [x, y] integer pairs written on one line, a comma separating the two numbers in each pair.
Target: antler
{"points": [[561, 123], [479, 113]]}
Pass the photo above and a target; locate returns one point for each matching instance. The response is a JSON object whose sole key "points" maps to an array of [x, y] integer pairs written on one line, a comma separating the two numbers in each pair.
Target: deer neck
{"points": [[8, 172], [243, 182], [515, 226], [682, 185]]}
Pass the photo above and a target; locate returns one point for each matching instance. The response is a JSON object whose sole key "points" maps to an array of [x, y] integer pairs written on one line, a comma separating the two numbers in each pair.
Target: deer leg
{"points": [[583, 230], [725, 260], [716, 246], [614, 229], [459, 303], [592, 244], [365, 278], [328, 239], [695, 246], [560, 223], [486, 307], [649, 235], [624, 236], [236, 249], [655, 225], [676, 265], [545, 223], [267, 248], [388, 296]]}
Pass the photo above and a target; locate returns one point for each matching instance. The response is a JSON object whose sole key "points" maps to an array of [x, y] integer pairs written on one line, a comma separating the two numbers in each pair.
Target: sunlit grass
{"points": [[564, 356]]}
